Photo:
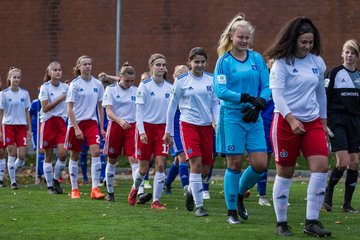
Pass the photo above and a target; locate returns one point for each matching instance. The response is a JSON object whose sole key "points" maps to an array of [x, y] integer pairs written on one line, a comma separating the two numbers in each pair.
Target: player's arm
{"points": [[70, 111], [101, 118], [46, 106], [28, 122], [111, 115]]}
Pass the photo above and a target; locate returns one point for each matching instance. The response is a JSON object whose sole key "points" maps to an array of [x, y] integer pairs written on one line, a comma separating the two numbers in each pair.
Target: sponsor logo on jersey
{"points": [[221, 79], [167, 95], [208, 88], [315, 70], [254, 67], [96, 90], [51, 94], [349, 94], [284, 154], [81, 90], [139, 94], [152, 94], [231, 147], [343, 80], [190, 88], [295, 70]]}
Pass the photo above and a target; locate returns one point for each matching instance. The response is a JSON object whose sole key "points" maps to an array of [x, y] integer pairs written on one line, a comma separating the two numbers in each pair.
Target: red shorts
{"points": [[287, 145], [52, 132], [91, 135], [14, 135], [155, 145], [197, 142], [119, 140]]}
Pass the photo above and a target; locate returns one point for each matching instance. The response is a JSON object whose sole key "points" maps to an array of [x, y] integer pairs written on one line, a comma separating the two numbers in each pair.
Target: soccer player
{"points": [[85, 93], [119, 101], [2, 155], [242, 84], [180, 165], [299, 124], [199, 107], [15, 122], [343, 107], [53, 118], [34, 109], [152, 98]]}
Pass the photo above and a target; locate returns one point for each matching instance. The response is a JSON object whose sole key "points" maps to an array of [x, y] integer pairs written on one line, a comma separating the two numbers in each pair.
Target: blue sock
{"points": [[103, 166], [83, 165], [173, 172], [184, 173], [248, 179], [231, 188], [206, 182], [261, 185], [41, 157]]}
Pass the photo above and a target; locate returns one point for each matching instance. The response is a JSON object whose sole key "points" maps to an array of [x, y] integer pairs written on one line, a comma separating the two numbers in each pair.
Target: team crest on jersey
{"points": [[96, 90], [208, 88], [315, 70], [221, 79], [69, 145], [167, 95], [283, 154], [111, 150], [7, 140], [189, 151], [45, 143], [254, 67], [138, 152], [22, 100], [231, 147], [133, 98]]}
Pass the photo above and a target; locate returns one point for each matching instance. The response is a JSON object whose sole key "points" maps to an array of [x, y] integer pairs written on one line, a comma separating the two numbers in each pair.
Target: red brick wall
{"points": [[34, 33]]}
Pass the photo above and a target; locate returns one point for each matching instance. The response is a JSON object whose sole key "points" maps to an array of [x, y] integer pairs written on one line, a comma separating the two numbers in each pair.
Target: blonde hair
{"points": [[152, 59], [225, 43], [179, 69], [78, 63], [10, 72], [353, 45], [47, 75]]}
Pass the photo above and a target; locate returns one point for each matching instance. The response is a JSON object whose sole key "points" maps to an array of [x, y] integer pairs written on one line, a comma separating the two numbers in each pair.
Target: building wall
{"points": [[34, 33]]}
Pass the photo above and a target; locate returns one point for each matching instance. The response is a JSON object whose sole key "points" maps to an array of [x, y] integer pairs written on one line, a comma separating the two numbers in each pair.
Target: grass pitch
{"points": [[31, 213]]}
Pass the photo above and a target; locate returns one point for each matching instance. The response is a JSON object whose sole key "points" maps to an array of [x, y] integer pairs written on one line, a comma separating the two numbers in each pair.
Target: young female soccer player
{"points": [[242, 84], [343, 105], [152, 98], [299, 124], [199, 107], [16, 123], [84, 96], [53, 118]]}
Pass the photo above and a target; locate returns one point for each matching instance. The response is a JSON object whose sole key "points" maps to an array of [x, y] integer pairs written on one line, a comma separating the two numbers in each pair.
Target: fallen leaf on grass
{"points": [[13, 219], [102, 238], [337, 222]]}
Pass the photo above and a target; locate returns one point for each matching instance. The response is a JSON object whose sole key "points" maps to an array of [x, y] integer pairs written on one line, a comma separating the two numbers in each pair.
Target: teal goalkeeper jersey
{"points": [[233, 77]]}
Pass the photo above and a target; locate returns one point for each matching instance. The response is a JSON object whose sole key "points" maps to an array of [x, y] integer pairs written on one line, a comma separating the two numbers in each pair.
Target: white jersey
{"points": [[122, 101], [50, 93], [85, 95], [303, 85], [196, 99], [153, 99], [15, 106]]}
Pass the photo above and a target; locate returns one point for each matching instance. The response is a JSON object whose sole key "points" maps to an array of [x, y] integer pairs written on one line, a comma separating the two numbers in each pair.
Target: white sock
{"points": [[48, 173], [281, 191], [19, 163], [11, 169], [315, 195], [59, 167], [159, 181], [73, 170], [95, 171], [110, 176], [2, 168], [141, 188], [138, 180], [134, 168], [196, 188]]}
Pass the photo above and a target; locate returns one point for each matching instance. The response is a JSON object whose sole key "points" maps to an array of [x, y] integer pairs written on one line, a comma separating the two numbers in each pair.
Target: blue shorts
{"points": [[177, 147], [234, 136], [267, 126]]}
